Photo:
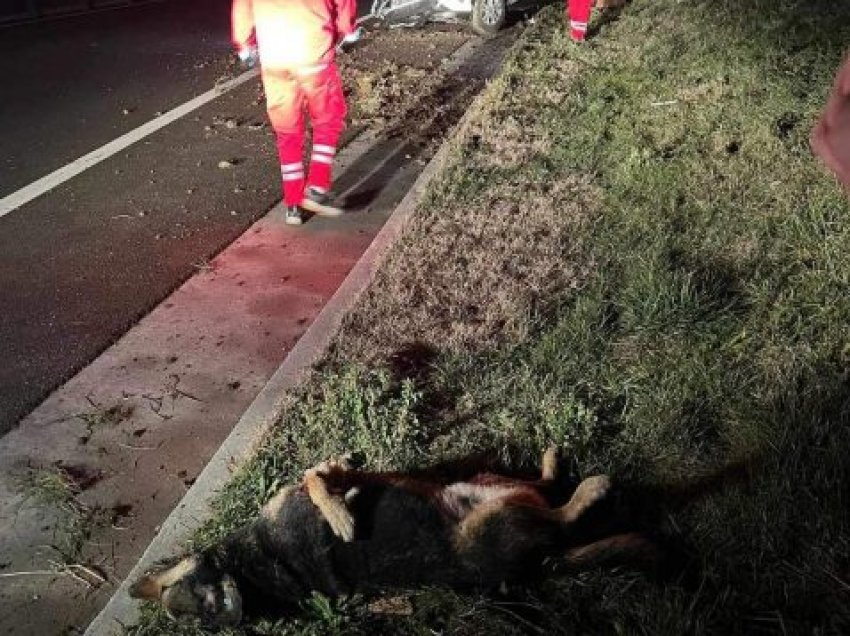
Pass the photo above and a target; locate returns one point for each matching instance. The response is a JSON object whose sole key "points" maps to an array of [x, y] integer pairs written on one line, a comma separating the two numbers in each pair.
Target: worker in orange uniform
{"points": [[578, 13], [296, 41]]}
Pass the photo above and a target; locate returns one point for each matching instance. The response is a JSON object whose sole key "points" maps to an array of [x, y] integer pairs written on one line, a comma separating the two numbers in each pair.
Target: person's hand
{"points": [[830, 138], [248, 56]]}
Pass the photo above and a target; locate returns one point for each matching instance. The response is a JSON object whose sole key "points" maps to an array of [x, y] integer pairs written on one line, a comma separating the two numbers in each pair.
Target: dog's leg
{"points": [[329, 483], [549, 471], [332, 507], [472, 524], [588, 493], [523, 502], [620, 547], [505, 539], [152, 584]]}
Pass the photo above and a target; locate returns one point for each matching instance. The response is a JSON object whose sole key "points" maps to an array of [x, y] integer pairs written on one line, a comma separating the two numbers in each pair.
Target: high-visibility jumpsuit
{"points": [[296, 40], [578, 12]]}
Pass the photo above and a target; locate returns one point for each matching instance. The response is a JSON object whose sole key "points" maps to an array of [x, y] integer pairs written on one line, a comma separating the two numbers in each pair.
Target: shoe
{"points": [[316, 201], [293, 215]]}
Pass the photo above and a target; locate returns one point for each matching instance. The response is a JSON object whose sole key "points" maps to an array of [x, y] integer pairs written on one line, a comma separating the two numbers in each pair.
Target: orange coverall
{"points": [[578, 12], [297, 40]]}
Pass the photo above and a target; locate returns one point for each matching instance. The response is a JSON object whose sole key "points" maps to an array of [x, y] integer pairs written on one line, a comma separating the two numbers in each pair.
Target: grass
{"points": [[633, 254], [55, 491]]}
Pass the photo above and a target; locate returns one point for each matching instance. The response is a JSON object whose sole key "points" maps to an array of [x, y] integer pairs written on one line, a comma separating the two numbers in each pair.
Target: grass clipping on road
{"points": [[633, 254]]}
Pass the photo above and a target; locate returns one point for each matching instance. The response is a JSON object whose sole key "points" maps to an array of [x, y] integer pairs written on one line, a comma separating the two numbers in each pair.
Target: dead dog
{"points": [[345, 530]]}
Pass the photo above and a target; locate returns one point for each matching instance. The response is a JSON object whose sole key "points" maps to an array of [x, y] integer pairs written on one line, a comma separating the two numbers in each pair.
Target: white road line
{"points": [[57, 177]]}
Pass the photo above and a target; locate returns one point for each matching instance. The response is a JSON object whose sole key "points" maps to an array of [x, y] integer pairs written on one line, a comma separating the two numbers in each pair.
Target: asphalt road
{"points": [[80, 264], [68, 82]]}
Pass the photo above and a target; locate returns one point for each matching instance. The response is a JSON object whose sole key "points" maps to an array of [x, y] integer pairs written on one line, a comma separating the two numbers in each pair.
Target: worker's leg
{"points": [[326, 103], [285, 102], [578, 12]]}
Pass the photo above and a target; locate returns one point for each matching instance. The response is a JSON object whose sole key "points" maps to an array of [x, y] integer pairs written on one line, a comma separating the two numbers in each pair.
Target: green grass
{"points": [[55, 491], [699, 354]]}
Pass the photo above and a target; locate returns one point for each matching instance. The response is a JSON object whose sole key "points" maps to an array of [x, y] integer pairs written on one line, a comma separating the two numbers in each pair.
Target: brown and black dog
{"points": [[345, 530]]}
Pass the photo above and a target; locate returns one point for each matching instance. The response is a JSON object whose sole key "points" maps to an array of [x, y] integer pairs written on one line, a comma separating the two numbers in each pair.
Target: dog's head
{"points": [[194, 586]]}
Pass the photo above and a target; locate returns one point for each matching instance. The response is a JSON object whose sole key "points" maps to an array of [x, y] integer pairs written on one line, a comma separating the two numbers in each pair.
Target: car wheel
{"points": [[488, 16]]}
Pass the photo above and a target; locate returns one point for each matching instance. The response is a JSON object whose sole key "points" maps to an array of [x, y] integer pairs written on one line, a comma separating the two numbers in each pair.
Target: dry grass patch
{"points": [[484, 259], [470, 276], [511, 143]]}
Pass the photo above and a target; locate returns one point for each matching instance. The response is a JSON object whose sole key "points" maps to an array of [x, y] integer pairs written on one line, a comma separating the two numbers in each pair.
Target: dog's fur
{"points": [[343, 530]]}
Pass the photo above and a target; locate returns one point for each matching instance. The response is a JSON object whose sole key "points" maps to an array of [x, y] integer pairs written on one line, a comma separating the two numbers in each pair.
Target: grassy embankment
{"points": [[633, 254]]}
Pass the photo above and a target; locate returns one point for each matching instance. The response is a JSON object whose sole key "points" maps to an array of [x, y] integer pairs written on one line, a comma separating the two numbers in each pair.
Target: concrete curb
{"points": [[194, 509]]}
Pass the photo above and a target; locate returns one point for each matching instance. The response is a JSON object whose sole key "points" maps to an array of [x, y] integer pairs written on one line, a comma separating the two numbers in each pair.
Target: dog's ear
{"points": [[152, 584]]}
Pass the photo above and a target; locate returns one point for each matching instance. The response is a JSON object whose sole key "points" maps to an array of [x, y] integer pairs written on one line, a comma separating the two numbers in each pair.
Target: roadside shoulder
{"points": [[254, 425]]}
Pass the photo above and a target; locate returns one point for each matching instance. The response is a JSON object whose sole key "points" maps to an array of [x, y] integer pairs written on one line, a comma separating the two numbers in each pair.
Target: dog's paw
{"points": [[589, 491], [340, 520], [592, 489], [326, 466], [345, 461], [321, 467]]}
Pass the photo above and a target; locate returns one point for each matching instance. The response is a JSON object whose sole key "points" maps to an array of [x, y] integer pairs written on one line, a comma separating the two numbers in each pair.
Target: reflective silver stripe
{"points": [[579, 26], [291, 167], [293, 176], [322, 158], [328, 150]]}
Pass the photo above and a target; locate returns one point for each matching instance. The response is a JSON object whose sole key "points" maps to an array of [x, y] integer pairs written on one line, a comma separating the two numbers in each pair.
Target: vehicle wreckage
{"points": [[485, 16]]}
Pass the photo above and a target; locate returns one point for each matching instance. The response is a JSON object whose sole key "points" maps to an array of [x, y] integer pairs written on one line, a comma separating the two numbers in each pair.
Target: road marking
{"points": [[57, 177]]}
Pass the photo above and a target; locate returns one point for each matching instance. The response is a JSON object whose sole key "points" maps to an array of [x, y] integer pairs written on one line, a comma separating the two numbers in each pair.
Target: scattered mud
{"points": [[392, 76], [80, 476], [424, 49]]}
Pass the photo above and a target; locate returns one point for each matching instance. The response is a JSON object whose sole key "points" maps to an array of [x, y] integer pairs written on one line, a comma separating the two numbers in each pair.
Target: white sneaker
{"points": [[316, 201], [293, 215]]}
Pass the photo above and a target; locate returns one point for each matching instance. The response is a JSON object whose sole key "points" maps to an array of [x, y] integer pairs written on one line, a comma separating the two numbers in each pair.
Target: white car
{"points": [[486, 16]]}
